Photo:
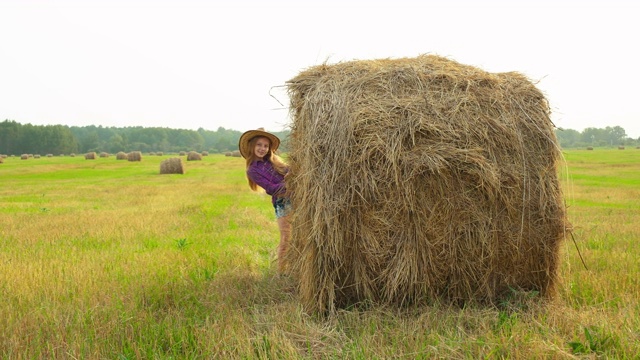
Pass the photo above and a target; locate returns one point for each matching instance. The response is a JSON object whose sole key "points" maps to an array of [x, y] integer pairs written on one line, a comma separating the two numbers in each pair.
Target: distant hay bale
{"points": [[1, 159], [172, 166], [24, 157], [589, 148], [61, 155], [193, 156], [205, 153], [36, 156], [49, 155], [134, 156], [104, 154], [183, 153], [637, 147], [90, 156], [228, 153], [72, 155], [236, 153], [421, 179], [620, 147], [121, 155], [159, 153]]}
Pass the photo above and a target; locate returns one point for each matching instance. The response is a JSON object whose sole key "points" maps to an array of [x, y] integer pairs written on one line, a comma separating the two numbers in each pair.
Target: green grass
{"points": [[106, 258]]}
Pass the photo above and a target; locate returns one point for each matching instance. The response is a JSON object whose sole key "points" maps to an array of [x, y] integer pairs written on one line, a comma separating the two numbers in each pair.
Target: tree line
{"points": [[16, 138], [608, 136]]}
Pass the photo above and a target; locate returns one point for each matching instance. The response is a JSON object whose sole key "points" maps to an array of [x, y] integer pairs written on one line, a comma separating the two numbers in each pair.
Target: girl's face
{"points": [[262, 147]]}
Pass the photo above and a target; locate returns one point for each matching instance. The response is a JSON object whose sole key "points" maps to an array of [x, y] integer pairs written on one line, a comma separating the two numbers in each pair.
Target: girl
{"points": [[267, 170]]}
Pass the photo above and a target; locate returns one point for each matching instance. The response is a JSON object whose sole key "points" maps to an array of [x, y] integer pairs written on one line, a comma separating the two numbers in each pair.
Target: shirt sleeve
{"points": [[270, 186]]}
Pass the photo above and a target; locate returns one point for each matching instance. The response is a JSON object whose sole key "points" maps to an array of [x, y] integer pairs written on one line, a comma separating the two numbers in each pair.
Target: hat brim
{"points": [[243, 143]]}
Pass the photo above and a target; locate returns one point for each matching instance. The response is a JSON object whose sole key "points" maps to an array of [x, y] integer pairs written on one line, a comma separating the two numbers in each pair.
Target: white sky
{"points": [[189, 64]]}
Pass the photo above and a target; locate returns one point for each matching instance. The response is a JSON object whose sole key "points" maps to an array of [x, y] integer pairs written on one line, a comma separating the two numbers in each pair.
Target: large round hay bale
{"points": [[36, 156], [24, 157], [159, 153], [228, 153], [620, 147], [134, 156], [104, 154], [49, 155], [90, 156], [193, 156], [236, 153], [205, 153], [1, 159], [589, 147], [172, 166], [121, 155], [72, 155], [421, 179], [183, 153]]}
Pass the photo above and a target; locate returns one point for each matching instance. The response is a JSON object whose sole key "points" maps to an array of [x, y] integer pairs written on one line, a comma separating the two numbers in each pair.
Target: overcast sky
{"points": [[204, 64]]}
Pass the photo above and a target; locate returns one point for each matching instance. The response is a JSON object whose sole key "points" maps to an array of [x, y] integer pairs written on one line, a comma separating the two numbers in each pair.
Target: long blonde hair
{"points": [[278, 163]]}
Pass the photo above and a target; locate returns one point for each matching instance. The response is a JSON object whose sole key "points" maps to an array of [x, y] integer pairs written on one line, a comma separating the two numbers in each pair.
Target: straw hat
{"points": [[243, 144]]}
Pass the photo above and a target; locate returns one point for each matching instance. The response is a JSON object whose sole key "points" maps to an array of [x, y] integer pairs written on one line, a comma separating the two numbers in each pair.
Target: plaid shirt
{"points": [[263, 174]]}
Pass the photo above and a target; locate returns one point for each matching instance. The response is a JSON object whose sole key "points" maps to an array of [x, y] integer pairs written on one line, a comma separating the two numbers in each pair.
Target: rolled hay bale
{"points": [[421, 179], [193, 156], [159, 153], [72, 155], [204, 153], [637, 147], [152, 153], [49, 155], [134, 156], [36, 156], [183, 153], [589, 148], [620, 147], [121, 155], [90, 156], [1, 159], [236, 153], [228, 153], [172, 166], [104, 154], [24, 157]]}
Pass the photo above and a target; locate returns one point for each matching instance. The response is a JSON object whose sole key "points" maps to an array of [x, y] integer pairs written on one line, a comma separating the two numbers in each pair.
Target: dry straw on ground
{"points": [[193, 156], [421, 179], [134, 156], [172, 166]]}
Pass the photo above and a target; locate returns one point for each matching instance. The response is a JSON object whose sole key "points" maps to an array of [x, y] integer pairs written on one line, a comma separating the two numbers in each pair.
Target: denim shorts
{"points": [[282, 206]]}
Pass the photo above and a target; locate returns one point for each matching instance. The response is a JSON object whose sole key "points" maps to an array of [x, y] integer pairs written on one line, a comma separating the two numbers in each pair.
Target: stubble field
{"points": [[106, 259]]}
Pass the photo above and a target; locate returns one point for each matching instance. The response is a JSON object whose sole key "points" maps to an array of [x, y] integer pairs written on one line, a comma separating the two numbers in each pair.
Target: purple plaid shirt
{"points": [[263, 174]]}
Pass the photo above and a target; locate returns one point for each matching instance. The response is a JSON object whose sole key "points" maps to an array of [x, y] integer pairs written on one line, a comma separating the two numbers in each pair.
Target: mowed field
{"points": [[108, 259]]}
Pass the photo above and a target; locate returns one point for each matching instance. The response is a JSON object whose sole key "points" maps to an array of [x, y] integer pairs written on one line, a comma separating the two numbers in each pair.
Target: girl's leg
{"points": [[285, 231]]}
